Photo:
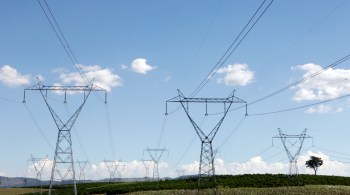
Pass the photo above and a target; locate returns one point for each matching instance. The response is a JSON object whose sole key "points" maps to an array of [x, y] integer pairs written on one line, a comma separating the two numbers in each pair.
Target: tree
{"points": [[314, 163]]}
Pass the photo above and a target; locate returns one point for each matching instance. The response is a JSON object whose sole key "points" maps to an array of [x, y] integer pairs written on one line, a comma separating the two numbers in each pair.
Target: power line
{"points": [[302, 80], [334, 64], [56, 28], [232, 47], [299, 107]]}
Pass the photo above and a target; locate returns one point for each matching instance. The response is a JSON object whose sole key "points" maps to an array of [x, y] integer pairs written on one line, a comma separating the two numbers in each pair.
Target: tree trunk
{"points": [[315, 171]]}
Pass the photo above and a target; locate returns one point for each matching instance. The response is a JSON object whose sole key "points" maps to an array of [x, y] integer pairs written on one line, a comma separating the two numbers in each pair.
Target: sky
{"points": [[142, 52]]}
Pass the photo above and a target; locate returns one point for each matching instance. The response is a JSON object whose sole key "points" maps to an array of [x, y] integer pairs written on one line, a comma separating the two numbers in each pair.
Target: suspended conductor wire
{"points": [[300, 107], [332, 151], [230, 51], [76, 132], [334, 64], [190, 144], [162, 130], [233, 131], [38, 126], [56, 28], [109, 130], [203, 39]]}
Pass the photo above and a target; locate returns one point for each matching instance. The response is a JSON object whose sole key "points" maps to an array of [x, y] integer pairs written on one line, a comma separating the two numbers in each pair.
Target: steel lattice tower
{"points": [[206, 175], [39, 164], [82, 165], [290, 141], [147, 164], [63, 163], [155, 155], [112, 168]]}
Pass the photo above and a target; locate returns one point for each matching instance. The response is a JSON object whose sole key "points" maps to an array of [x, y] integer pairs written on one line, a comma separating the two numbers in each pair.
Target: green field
{"points": [[227, 184], [312, 189]]}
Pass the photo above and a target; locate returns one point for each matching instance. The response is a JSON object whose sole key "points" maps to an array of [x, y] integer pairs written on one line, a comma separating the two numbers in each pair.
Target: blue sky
{"points": [[142, 52]]}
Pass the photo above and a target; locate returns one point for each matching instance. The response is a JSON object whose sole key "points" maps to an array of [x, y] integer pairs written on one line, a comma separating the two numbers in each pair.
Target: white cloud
{"points": [[236, 75], [255, 165], [104, 78], [167, 78], [12, 78], [331, 83], [124, 67], [321, 109], [140, 66]]}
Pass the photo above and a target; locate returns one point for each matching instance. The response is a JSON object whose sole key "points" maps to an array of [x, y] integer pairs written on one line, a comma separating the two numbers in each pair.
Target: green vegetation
{"points": [[246, 184]]}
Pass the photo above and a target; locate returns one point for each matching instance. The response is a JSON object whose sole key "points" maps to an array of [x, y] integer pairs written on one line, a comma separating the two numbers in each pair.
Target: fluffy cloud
{"points": [[140, 66], [132, 169], [320, 109], [236, 75], [257, 165], [12, 78], [104, 78], [331, 83]]}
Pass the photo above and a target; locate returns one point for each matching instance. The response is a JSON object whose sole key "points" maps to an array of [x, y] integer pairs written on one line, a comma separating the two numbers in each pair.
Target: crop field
{"points": [[17, 191], [227, 184]]}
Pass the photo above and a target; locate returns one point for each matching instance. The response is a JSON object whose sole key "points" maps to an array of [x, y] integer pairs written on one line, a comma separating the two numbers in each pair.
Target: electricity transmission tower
{"points": [[63, 163], [147, 164], [206, 176], [291, 142], [39, 164], [82, 166], [155, 155], [112, 167], [120, 168]]}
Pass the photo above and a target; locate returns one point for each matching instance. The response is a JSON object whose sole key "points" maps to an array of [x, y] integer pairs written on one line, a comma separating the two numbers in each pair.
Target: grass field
{"points": [[17, 191], [310, 190]]}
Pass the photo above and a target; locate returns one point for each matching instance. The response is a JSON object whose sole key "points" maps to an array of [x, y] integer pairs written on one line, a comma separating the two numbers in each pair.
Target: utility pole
{"points": [[155, 155], [206, 175], [290, 142], [63, 163], [39, 164]]}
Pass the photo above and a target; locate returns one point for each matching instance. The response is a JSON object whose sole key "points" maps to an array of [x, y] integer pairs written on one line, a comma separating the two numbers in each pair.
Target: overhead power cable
{"points": [[234, 45], [302, 80], [334, 64], [56, 28], [38, 126], [71, 55], [300, 107]]}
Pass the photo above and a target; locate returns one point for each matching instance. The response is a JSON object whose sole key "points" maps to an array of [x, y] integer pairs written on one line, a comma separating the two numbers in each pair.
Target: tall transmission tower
{"points": [[120, 168], [82, 166], [292, 145], [206, 176], [39, 164], [156, 155], [63, 163], [147, 164], [112, 167]]}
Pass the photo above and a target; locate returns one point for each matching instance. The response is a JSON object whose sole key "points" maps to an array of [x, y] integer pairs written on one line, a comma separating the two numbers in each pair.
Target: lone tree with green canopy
{"points": [[314, 163]]}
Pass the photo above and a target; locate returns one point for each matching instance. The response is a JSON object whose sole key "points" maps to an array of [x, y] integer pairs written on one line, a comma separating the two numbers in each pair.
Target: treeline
{"points": [[223, 181]]}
